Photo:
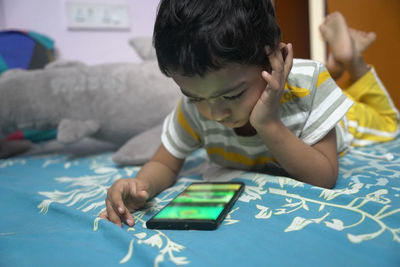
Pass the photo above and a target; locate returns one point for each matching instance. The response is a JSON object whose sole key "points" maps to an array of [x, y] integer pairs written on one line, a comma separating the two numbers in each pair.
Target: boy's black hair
{"points": [[196, 36]]}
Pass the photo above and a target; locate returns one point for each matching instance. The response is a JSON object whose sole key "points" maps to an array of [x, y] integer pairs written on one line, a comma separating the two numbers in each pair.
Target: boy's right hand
{"points": [[123, 197], [266, 109]]}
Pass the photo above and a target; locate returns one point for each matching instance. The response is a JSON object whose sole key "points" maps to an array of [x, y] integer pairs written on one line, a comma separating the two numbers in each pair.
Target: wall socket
{"points": [[93, 16]]}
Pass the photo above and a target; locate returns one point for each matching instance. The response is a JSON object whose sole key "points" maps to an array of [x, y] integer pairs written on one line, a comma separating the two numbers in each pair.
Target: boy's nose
{"points": [[219, 111]]}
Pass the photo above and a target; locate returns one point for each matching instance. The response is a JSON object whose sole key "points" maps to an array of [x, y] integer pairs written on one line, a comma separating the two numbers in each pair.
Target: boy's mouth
{"points": [[228, 123]]}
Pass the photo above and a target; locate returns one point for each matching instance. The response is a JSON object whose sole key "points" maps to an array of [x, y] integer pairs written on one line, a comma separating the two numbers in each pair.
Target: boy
{"points": [[247, 102]]}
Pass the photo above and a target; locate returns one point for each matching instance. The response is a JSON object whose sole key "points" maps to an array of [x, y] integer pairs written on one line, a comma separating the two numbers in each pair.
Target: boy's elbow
{"points": [[325, 178], [330, 184], [330, 173], [331, 179]]}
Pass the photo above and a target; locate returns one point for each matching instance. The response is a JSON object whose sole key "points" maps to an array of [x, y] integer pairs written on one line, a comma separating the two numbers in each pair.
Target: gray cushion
{"points": [[144, 48]]}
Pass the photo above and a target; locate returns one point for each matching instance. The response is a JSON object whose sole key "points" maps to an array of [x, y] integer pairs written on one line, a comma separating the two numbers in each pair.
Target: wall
{"points": [[383, 18], [1, 15], [91, 47]]}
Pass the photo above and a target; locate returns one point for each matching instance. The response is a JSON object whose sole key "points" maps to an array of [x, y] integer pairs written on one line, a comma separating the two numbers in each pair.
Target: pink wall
{"points": [[91, 47], [1, 15]]}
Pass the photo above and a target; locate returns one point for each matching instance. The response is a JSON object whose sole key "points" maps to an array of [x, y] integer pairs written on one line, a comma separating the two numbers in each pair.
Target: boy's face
{"points": [[227, 95]]}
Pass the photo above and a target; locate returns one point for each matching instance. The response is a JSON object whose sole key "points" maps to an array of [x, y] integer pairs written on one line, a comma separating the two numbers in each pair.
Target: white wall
{"points": [[92, 47], [1, 15]]}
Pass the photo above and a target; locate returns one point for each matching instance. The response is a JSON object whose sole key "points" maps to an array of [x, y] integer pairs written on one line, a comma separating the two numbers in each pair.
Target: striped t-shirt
{"points": [[312, 104]]}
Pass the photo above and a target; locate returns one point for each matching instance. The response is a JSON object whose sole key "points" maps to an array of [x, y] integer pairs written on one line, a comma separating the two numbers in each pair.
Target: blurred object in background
{"points": [[25, 50], [295, 28]]}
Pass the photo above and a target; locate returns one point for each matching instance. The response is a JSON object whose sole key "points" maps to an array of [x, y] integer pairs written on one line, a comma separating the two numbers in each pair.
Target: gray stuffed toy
{"points": [[117, 103]]}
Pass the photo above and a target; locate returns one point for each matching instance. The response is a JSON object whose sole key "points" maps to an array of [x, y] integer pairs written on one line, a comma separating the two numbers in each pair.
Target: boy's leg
{"points": [[361, 41], [373, 117]]}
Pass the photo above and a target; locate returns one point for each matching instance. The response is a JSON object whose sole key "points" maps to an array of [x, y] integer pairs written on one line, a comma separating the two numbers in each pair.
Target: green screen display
{"points": [[199, 201], [204, 197], [190, 212]]}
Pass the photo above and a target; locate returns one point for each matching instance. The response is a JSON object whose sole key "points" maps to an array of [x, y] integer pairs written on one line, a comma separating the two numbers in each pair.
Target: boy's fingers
{"points": [[114, 196], [116, 205], [140, 191], [103, 215], [111, 213], [118, 210], [288, 59], [135, 197], [266, 76], [275, 58], [281, 62], [272, 83], [142, 194], [284, 51], [126, 216]]}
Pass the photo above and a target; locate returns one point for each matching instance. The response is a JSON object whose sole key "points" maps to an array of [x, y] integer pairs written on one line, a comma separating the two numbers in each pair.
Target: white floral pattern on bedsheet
{"points": [[359, 219]]}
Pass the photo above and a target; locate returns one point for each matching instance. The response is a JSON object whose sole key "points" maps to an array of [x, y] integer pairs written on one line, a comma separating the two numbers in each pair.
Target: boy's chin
{"points": [[232, 125]]}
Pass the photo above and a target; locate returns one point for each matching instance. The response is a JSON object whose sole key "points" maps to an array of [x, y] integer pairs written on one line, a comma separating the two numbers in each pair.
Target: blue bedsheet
{"points": [[49, 206]]}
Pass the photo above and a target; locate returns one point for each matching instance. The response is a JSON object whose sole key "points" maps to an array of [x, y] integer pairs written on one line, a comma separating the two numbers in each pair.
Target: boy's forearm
{"points": [[161, 171], [159, 177], [315, 165]]}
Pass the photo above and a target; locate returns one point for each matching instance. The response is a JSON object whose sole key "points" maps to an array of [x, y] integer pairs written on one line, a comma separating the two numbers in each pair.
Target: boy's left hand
{"points": [[266, 108]]}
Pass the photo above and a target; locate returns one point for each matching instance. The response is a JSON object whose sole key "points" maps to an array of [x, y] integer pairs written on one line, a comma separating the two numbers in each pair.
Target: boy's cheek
{"points": [[256, 95], [203, 110], [247, 106]]}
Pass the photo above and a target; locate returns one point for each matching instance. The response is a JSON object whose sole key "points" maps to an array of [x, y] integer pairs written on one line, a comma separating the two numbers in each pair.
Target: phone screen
{"points": [[200, 206]]}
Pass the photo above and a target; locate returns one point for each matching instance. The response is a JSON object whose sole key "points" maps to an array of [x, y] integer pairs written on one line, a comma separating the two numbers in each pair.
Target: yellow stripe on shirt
{"points": [[322, 77], [184, 123], [293, 93], [239, 158], [298, 92]]}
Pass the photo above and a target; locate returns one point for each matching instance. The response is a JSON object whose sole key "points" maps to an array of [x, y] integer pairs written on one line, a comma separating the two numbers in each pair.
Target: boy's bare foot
{"points": [[334, 30], [335, 69], [346, 47], [362, 40]]}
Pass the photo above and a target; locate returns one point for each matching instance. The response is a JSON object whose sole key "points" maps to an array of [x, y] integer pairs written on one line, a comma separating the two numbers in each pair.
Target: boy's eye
{"points": [[194, 100], [234, 97]]}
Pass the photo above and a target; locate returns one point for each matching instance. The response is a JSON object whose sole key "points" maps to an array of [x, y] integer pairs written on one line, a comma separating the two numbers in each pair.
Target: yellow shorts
{"points": [[373, 118]]}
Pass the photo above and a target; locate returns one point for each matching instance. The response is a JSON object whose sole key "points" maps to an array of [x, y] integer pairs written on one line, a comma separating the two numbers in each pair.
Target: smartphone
{"points": [[201, 206]]}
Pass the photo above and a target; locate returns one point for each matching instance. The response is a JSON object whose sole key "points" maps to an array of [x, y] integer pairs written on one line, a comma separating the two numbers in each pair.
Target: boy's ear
{"points": [[285, 52], [268, 50]]}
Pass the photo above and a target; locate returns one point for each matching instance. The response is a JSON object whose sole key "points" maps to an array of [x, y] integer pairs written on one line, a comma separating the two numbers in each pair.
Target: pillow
{"points": [[144, 47], [139, 149]]}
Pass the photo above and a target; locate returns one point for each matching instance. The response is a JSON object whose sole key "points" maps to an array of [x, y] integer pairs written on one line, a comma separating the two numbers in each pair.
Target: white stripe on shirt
{"points": [[372, 131], [335, 117], [304, 70], [323, 107]]}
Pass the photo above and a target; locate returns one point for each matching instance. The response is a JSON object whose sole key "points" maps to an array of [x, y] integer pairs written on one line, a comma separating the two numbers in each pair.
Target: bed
{"points": [[50, 202]]}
